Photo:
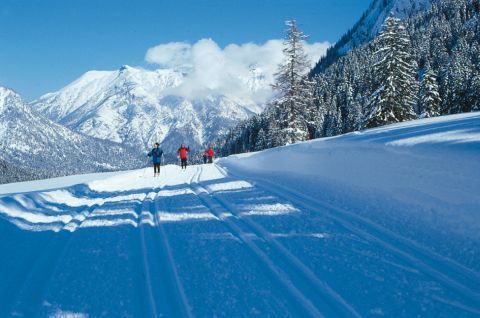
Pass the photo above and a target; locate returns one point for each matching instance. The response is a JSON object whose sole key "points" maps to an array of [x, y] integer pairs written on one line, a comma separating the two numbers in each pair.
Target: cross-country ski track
{"points": [[224, 240]]}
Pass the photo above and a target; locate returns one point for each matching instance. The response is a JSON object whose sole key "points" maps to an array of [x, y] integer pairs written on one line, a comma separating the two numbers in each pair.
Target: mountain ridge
{"points": [[138, 107], [32, 142], [368, 27]]}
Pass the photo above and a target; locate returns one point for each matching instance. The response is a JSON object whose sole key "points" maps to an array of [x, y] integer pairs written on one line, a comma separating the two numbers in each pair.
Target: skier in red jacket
{"points": [[210, 154], [183, 154]]}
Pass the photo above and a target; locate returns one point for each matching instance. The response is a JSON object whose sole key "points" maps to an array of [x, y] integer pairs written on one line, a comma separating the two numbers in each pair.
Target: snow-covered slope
{"points": [[32, 142], [382, 222], [372, 20], [370, 24], [137, 107]]}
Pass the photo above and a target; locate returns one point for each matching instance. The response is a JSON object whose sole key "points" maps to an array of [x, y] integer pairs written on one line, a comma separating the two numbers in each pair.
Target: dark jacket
{"points": [[156, 155]]}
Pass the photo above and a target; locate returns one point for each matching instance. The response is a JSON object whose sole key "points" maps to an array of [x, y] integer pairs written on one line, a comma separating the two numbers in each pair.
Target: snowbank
{"points": [[421, 175], [53, 183]]}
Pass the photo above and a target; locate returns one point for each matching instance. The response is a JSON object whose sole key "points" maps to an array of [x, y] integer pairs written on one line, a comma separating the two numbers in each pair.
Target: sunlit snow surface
{"points": [[117, 200], [383, 222]]}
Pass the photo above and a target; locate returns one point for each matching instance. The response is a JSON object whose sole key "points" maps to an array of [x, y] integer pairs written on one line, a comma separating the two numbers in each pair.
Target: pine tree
{"points": [[320, 107], [333, 120], [307, 93], [261, 142], [445, 39], [295, 90], [354, 111], [394, 97], [273, 135], [459, 73], [474, 94], [429, 96]]}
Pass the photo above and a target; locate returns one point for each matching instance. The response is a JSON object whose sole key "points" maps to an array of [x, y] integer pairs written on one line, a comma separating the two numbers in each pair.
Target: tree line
{"points": [[425, 66]]}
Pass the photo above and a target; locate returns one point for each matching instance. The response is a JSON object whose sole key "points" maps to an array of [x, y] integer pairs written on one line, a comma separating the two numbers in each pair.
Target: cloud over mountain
{"points": [[244, 70]]}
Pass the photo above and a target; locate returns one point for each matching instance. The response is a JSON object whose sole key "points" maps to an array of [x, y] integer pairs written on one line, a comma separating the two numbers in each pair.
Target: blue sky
{"points": [[45, 44]]}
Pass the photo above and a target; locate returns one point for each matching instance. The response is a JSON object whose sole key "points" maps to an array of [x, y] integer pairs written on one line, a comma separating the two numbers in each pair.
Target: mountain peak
{"points": [[4, 91], [125, 68], [369, 25], [138, 106], [9, 97]]}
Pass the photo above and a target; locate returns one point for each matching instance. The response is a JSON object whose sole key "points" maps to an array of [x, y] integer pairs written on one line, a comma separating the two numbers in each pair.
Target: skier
{"points": [[205, 156], [183, 154], [156, 153], [210, 154]]}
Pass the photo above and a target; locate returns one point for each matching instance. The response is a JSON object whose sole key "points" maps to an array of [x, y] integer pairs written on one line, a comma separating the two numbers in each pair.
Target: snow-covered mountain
{"points": [[31, 141], [138, 107], [369, 25]]}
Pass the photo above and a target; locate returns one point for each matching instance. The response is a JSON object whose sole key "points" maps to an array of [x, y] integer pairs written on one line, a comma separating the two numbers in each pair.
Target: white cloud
{"points": [[172, 54], [227, 70]]}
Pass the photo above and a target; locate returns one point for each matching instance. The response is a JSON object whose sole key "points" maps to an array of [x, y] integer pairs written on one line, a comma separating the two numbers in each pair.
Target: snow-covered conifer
{"points": [[294, 88], [395, 69], [429, 96]]}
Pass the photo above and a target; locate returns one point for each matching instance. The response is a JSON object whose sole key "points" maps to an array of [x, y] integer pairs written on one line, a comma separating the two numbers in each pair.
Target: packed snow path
{"points": [[221, 241]]}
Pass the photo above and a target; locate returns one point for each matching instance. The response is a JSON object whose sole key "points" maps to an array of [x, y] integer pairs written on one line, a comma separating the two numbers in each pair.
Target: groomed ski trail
{"points": [[181, 224], [181, 307], [27, 299], [291, 273], [459, 278]]}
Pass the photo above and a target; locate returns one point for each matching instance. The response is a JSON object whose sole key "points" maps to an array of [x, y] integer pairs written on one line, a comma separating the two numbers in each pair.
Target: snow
{"points": [[3, 93], [406, 153], [139, 107], [67, 314], [269, 209], [372, 23], [65, 197], [235, 185], [460, 136], [25, 134], [53, 183], [373, 19], [138, 179], [32, 217], [377, 222], [177, 217]]}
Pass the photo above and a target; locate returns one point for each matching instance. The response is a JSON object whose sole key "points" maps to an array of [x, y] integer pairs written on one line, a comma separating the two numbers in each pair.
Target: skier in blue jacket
{"points": [[156, 153]]}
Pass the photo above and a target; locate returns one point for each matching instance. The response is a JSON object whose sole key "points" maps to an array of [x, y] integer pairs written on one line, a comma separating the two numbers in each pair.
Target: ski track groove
{"points": [[330, 297], [283, 278], [195, 175], [289, 287], [184, 307], [383, 237], [51, 257], [146, 266]]}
